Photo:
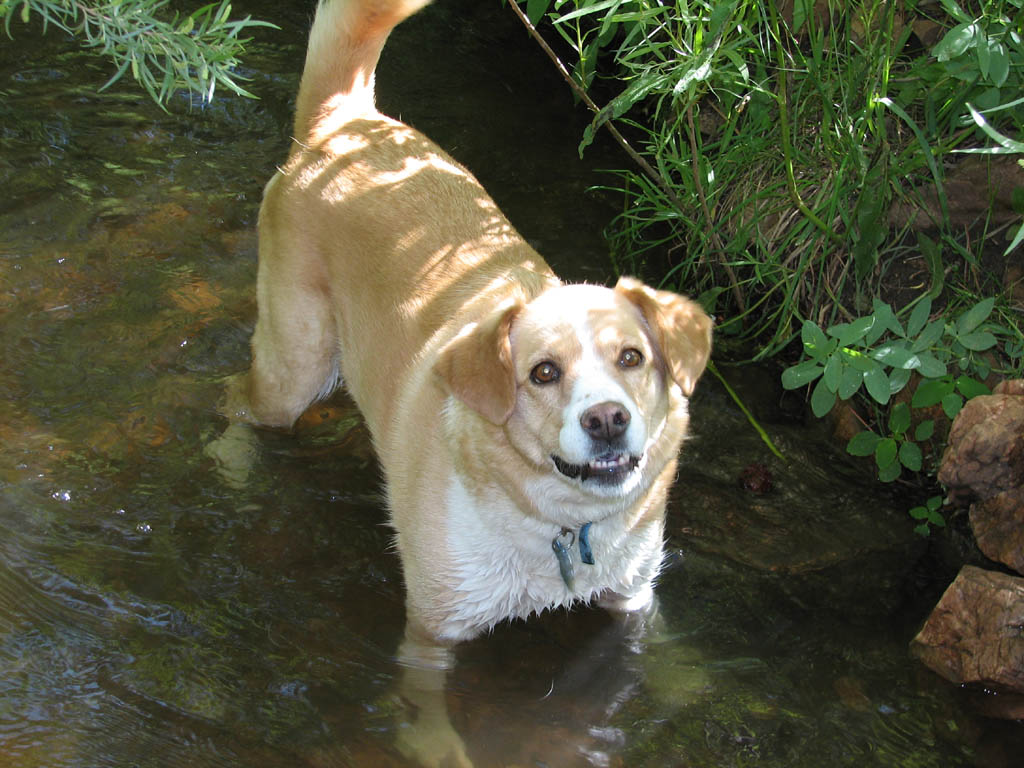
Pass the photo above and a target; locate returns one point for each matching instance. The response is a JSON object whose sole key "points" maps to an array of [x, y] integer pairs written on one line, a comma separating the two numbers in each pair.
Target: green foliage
{"points": [[164, 52], [929, 515], [778, 145], [873, 359], [778, 148]]}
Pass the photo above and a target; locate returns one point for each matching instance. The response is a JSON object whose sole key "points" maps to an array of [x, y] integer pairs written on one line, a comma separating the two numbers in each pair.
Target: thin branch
{"points": [[585, 98], [646, 167]]}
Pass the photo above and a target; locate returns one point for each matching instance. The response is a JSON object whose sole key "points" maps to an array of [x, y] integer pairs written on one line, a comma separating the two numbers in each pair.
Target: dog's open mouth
{"points": [[606, 469]]}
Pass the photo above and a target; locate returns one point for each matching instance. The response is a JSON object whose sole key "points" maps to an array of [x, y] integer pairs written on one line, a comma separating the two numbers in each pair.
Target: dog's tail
{"points": [[344, 45]]}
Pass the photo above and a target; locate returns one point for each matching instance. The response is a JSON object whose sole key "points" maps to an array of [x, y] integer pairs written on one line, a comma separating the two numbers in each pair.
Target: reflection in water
{"points": [[151, 616]]}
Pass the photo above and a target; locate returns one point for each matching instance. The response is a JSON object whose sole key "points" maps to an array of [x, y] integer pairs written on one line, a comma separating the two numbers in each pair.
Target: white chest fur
{"points": [[504, 566]]}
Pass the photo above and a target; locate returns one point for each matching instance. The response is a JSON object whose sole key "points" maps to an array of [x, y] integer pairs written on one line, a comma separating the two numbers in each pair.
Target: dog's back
{"points": [[395, 241]]}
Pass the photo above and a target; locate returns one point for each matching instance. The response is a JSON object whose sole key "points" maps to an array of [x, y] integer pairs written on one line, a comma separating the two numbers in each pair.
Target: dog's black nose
{"points": [[605, 421]]}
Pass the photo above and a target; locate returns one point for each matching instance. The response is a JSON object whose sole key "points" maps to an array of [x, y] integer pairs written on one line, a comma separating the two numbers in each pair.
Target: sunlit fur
{"points": [[384, 261]]}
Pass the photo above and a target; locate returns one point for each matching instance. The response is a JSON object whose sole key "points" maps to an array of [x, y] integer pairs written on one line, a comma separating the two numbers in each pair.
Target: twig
{"points": [[652, 174], [585, 98]]}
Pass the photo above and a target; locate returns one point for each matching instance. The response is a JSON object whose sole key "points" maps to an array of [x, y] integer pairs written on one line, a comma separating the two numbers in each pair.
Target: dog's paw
{"points": [[234, 453], [433, 743], [640, 601]]}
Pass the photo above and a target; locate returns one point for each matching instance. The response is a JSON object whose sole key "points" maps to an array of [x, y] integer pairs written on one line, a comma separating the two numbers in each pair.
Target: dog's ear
{"points": [[477, 365], [681, 329]]}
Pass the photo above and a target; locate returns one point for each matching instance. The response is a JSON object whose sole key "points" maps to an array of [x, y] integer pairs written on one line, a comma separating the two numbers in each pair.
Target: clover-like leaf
{"points": [[850, 333], [863, 443], [899, 418], [919, 317], [924, 430], [910, 456], [977, 341], [951, 404], [816, 344], [929, 393], [885, 452]]}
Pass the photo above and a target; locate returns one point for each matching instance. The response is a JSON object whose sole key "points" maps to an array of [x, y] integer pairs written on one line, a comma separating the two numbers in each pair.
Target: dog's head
{"points": [[588, 382]]}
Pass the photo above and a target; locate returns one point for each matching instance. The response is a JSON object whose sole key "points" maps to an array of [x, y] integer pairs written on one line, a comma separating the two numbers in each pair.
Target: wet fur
{"points": [[385, 265]]}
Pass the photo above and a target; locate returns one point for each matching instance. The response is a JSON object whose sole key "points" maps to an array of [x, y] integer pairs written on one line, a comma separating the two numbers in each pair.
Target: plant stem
{"points": [[750, 417], [782, 97]]}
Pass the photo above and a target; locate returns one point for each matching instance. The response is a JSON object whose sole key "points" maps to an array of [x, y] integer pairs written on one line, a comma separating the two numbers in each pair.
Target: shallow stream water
{"points": [[152, 616]]}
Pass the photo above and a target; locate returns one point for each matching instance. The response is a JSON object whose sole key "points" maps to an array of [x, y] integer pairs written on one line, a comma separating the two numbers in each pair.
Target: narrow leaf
{"points": [[822, 399], [969, 387], [797, 376], [535, 10], [919, 317], [877, 384], [975, 316]]}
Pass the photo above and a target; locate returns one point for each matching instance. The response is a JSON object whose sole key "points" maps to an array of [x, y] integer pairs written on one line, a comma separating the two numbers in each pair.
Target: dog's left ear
{"points": [[477, 365], [681, 329]]}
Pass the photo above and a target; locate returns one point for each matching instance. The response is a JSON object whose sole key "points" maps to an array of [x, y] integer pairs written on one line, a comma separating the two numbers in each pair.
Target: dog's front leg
{"points": [[428, 735]]}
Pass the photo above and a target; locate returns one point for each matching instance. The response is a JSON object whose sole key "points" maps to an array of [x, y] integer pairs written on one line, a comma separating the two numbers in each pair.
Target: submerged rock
{"points": [[974, 634], [829, 538]]}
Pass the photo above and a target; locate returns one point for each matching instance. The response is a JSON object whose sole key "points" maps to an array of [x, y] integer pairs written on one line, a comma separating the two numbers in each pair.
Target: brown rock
{"points": [[976, 632], [1010, 387], [998, 525], [985, 452]]}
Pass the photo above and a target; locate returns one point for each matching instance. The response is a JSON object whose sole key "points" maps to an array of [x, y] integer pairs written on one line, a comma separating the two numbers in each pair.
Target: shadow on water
{"points": [[150, 616]]}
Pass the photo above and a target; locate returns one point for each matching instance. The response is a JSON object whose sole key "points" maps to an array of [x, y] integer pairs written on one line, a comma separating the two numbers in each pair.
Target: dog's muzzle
{"points": [[607, 469]]}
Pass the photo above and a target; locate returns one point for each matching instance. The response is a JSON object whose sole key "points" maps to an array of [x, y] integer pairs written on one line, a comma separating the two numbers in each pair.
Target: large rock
{"points": [[976, 632], [984, 463], [985, 451], [998, 525]]}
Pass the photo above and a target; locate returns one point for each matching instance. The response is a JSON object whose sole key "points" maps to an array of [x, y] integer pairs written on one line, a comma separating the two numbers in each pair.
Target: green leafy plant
{"points": [[929, 515], [874, 358], [165, 52], [773, 146], [776, 138]]}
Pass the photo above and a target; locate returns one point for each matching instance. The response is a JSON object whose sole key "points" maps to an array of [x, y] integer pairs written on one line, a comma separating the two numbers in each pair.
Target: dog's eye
{"points": [[545, 373], [631, 358]]}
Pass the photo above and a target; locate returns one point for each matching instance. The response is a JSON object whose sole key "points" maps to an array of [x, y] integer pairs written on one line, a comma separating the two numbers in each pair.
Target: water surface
{"points": [[152, 616]]}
